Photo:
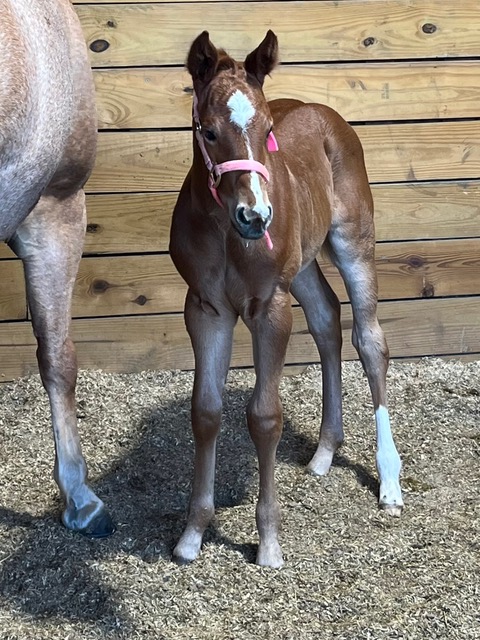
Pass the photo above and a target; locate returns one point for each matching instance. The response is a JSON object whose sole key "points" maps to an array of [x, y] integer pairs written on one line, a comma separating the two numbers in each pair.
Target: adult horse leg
{"points": [[50, 242], [211, 333], [355, 259], [270, 333], [322, 312]]}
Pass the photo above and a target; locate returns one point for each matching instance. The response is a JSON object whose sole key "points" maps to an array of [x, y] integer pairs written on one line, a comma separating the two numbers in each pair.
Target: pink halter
{"points": [[215, 171]]}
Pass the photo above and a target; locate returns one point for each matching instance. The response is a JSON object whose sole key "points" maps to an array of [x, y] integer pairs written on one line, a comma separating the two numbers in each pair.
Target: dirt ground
{"points": [[351, 571]]}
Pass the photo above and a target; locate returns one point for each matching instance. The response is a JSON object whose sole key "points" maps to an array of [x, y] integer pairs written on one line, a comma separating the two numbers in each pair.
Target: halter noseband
{"points": [[215, 171]]}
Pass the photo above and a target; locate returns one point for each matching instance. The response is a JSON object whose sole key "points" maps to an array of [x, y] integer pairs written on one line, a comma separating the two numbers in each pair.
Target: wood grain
{"points": [[159, 160], [130, 285], [161, 98], [13, 304], [129, 223], [414, 328], [307, 30], [140, 222]]}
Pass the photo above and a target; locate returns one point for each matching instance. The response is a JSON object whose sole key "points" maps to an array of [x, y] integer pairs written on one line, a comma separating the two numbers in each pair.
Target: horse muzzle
{"points": [[251, 224]]}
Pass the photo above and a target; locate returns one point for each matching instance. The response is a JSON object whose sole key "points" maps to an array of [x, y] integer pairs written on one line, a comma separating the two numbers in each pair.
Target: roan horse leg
{"points": [[322, 312], [211, 333], [270, 332], [50, 242], [356, 264]]}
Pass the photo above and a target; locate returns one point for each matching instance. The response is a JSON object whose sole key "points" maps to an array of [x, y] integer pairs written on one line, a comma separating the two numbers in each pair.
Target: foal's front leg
{"points": [[211, 333], [270, 332]]}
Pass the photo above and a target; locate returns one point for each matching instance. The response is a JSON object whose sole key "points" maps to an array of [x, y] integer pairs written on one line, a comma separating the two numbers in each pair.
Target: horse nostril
{"points": [[240, 215]]}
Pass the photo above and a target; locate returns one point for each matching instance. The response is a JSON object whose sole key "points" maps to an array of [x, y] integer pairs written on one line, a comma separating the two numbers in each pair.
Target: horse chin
{"points": [[254, 231], [250, 234]]}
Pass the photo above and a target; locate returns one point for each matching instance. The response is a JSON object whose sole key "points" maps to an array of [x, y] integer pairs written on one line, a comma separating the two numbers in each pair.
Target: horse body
{"points": [[47, 151], [314, 194]]}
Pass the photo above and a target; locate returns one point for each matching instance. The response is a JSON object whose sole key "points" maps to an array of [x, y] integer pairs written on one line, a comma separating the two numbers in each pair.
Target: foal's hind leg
{"points": [[354, 258], [322, 312], [50, 243]]}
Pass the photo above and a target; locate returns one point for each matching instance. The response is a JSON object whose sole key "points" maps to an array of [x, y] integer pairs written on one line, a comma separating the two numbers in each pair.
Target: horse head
{"points": [[233, 129]]}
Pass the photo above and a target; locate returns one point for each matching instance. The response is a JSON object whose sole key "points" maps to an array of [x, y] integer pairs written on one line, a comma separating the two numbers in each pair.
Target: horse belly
{"points": [[38, 130]]}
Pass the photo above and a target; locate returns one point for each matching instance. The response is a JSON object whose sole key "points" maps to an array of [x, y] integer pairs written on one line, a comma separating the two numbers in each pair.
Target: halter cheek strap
{"points": [[215, 171], [272, 144]]}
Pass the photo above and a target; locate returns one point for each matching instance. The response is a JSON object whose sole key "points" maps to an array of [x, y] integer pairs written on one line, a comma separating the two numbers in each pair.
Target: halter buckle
{"points": [[215, 177]]}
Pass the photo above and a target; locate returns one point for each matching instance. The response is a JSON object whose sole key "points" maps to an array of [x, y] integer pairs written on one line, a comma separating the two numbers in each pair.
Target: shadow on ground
{"points": [[53, 573]]}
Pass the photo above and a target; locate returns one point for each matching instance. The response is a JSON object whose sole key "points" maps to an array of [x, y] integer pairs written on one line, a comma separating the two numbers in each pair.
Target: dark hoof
{"points": [[101, 526], [180, 561]]}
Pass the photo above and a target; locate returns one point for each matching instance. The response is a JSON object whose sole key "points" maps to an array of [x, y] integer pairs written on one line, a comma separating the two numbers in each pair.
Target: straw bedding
{"points": [[351, 572]]}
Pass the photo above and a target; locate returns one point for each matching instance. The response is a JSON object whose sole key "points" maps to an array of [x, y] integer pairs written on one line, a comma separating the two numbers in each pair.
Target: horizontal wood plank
{"points": [[140, 222], [414, 328], [415, 211], [128, 285], [13, 305], [159, 161], [129, 223], [79, 2], [161, 98], [5, 251], [161, 33]]}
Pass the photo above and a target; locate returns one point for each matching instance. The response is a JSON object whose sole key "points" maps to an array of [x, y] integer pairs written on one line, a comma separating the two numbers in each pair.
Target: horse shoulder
{"points": [[195, 248]]}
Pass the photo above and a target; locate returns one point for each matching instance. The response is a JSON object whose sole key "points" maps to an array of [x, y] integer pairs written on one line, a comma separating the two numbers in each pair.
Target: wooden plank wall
{"points": [[403, 72]]}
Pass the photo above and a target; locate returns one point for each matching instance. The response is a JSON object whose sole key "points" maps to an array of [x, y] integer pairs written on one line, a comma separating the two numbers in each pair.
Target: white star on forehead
{"points": [[241, 109]]}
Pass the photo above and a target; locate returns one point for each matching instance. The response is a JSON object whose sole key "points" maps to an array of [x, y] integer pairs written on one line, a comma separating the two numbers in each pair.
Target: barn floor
{"points": [[351, 572]]}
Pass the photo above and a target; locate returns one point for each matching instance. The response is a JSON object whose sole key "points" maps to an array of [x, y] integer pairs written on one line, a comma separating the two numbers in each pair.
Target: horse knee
{"points": [[206, 418], [265, 423]]}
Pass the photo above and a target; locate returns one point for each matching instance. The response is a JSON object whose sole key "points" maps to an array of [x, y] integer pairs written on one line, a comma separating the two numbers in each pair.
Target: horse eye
{"points": [[210, 135]]}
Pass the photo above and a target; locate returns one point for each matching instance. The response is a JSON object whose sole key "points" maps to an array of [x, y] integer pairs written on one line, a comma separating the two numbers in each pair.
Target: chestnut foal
{"points": [[47, 150], [251, 217]]}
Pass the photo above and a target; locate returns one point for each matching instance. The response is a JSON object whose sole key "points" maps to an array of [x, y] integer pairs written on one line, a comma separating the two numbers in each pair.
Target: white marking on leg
{"points": [[388, 464]]}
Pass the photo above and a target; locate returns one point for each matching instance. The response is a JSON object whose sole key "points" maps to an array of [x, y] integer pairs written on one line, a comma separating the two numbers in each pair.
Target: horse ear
{"points": [[202, 59], [264, 58]]}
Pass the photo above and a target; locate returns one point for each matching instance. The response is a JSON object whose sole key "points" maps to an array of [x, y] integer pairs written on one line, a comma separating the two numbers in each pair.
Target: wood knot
{"points": [[428, 290], [428, 27], [112, 24], [141, 300], [415, 261], [100, 286], [98, 46], [368, 41], [93, 227]]}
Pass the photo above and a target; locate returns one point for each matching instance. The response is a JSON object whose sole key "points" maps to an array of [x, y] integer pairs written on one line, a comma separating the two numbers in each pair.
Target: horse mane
{"points": [[225, 62]]}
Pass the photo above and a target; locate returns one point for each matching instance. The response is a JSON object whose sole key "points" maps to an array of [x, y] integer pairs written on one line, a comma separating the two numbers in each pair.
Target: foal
{"points": [[251, 217], [47, 151]]}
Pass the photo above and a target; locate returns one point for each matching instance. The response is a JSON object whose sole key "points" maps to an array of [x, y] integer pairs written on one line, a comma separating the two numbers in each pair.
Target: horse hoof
{"points": [[101, 526], [394, 510], [270, 556], [320, 464], [181, 561]]}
